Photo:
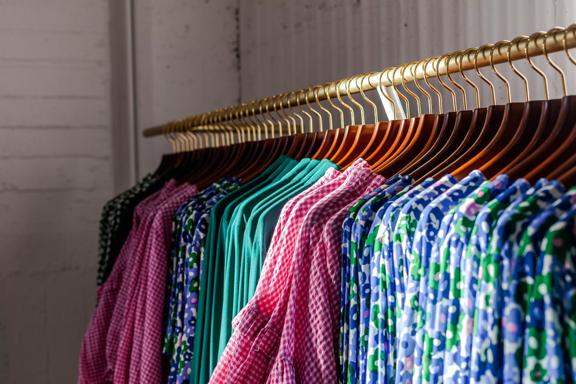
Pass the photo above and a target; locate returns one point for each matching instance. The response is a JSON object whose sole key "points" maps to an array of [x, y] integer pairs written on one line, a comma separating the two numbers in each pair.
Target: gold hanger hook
{"points": [[226, 129], [433, 88], [297, 97], [282, 113], [516, 42], [495, 70], [288, 117], [445, 85], [313, 110], [551, 62], [276, 117], [384, 95], [239, 123], [169, 137], [391, 81], [480, 74], [221, 127], [182, 133], [256, 124], [466, 78], [260, 107], [535, 37], [260, 126], [326, 90], [420, 88], [243, 112], [570, 57], [177, 138], [408, 90], [454, 82], [349, 108], [401, 67], [330, 121], [274, 120], [362, 115], [310, 119], [366, 98], [231, 123]]}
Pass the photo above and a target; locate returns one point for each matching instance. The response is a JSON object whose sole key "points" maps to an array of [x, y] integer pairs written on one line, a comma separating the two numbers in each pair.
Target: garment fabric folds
{"points": [[312, 274]]}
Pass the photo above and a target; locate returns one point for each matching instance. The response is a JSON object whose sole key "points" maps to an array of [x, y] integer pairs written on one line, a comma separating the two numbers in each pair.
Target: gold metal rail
{"points": [[522, 47]]}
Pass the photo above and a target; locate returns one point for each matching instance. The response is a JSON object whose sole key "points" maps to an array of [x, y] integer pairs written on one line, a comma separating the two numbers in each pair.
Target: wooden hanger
{"points": [[549, 132], [380, 130], [436, 128], [457, 129], [260, 147], [565, 168], [421, 140], [390, 129], [298, 139], [352, 134], [484, 143], [272, 148], [520, 145], [560, 155], [343, 133], [366, 134], [401, 130], [329, 135]]}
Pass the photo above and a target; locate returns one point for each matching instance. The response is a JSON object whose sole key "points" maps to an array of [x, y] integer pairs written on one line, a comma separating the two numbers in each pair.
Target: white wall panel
{"points": [[55, 174], [289, 44], [186, 63]]}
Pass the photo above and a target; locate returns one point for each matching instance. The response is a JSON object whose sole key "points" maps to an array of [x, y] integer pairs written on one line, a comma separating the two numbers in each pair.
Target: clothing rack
{"points": [[522, 47]]}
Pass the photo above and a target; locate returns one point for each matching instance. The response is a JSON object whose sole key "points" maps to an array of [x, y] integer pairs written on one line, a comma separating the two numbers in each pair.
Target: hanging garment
{"points": [[191, 223], [124, 335], [214, 266], [249, 355], [116, 222], [465, 247], [255, 237]]}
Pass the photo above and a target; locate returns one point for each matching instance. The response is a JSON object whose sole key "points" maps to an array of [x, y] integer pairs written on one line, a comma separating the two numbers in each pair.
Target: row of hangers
{"points": [[530, 139]]}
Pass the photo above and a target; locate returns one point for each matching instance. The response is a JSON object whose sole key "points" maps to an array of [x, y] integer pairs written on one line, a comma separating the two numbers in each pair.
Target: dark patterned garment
{"points": [[189, 238], [116, 222]]}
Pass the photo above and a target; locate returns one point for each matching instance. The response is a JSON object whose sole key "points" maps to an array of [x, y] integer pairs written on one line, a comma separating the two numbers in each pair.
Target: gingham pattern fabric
{"points": [[100, 343], [311, 322], [123, 341], [277, 261], [257, 328]]}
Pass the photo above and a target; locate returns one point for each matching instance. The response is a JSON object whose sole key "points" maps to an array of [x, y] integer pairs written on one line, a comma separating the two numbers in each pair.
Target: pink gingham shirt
{"points": [[113, 343], [265, 345]]}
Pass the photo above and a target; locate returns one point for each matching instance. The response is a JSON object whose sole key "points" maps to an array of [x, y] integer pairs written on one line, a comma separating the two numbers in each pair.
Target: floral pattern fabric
{"points": [[412, 271], [360, 277], [190, 227], [543, 357], [386, 289], [487, 348], [456, 282], [458, 225]]}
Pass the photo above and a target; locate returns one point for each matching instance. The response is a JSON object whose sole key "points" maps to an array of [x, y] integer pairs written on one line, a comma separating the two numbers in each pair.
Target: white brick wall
{"points": [[55, 173]]}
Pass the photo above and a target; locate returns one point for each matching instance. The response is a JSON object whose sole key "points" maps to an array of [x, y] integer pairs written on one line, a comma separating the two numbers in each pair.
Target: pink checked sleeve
{"points": [[97, 354]]}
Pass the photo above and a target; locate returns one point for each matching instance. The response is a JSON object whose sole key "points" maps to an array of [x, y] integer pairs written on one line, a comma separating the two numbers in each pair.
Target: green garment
{"points": [[250, 238], [237, 231], [265, 224], [213, 263]]}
